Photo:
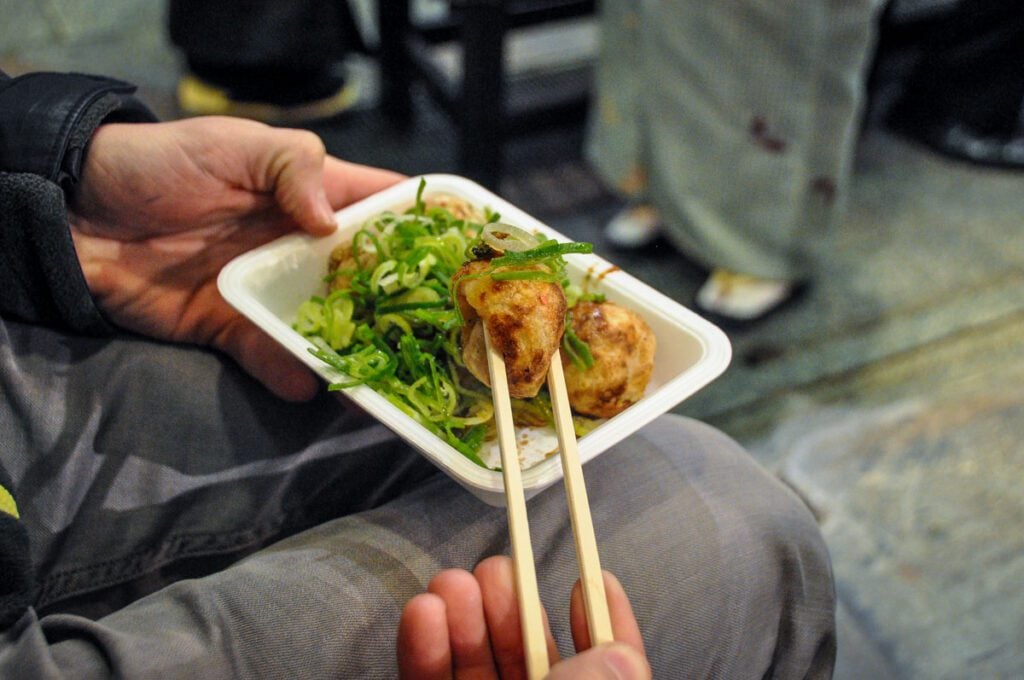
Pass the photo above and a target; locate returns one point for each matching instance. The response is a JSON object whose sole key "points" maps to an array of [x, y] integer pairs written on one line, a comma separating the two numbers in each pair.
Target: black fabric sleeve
{"points": [[46, 119], [15, 562], [46, 122]]}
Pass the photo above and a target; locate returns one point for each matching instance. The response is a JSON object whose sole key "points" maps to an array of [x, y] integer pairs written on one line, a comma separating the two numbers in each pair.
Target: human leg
{"points": [[751, 111], [614, 131], [726, 569], [615, 127], [143, 468], [136, 462], [727, 572], [730, 126]]}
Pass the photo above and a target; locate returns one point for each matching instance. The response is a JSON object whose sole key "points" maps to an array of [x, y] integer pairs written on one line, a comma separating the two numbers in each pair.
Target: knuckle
{"points": [[308, 142]]}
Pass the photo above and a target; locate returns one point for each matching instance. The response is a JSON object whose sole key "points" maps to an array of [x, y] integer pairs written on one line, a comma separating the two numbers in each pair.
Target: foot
{"points": [[741, 297], [298, 101], [964, 143], [633, 227]]}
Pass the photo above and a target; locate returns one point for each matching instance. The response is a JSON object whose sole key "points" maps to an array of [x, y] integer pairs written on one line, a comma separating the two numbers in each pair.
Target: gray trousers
{"points": [[736, 118], [186, 524]]}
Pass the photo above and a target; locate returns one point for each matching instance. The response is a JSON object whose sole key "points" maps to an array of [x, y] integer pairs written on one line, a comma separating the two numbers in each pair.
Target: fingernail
{"points": [[623, 663], [327, 217], [325, 211]]}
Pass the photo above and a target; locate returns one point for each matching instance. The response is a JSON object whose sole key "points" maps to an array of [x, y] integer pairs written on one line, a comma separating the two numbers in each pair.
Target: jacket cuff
{"points": [[46, 120]]}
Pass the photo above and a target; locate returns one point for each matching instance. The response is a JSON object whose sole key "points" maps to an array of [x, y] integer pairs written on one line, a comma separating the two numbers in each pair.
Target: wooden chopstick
{"points": [[591, 579], [531, 619]]}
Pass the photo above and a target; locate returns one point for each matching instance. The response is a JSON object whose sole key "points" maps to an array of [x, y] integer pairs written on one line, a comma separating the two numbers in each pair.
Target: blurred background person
{"points": [[730, 127], [278, 62]]}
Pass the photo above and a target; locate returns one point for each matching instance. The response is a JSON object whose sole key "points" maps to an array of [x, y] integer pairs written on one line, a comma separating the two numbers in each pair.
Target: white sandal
{"points": [[740, 296], [635, 226]]}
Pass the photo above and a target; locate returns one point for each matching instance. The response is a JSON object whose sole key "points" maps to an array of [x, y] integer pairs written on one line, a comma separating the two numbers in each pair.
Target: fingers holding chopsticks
{"points": [[472, 656], [501, 608], [467, 627], [424, 647], [624, 626]]}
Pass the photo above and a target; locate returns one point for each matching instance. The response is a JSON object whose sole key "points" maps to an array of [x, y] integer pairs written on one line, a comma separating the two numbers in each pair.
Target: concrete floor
{"points": [[891, 397]]}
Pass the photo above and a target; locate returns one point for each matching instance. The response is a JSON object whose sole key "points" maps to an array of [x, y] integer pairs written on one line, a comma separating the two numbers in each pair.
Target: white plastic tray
{"points": [[268, 284]]}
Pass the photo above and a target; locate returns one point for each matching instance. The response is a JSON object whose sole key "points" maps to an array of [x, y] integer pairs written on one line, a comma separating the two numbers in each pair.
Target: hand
{"points": [[467, 626], [161, 207]]}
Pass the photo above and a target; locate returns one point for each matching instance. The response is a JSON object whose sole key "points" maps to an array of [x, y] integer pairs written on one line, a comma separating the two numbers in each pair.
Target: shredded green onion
{"points": [[577, 350], [545, 251], [527, 275], [394, 327]]}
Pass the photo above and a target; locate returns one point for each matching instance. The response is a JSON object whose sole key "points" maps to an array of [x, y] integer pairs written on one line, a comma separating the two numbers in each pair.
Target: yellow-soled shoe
{"points": [[197, 97]]}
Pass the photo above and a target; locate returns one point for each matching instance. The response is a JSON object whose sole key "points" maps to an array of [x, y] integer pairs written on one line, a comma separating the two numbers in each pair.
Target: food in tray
{"points": [[622, 346], [525, 320], [408, 297]]}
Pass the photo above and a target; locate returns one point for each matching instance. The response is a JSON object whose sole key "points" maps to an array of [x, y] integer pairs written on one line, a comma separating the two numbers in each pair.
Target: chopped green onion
{"points": [[577, 350], [406, 306], [542, 252], [395, 328], [528, 275]]}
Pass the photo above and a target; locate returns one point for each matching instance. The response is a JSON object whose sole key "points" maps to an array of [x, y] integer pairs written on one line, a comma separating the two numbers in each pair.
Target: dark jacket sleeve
{"points": [[15, 563], [46, 122]]}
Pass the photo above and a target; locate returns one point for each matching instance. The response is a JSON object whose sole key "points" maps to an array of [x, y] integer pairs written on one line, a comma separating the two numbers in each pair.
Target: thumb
{"points": [[611, 661], [296, 173]]}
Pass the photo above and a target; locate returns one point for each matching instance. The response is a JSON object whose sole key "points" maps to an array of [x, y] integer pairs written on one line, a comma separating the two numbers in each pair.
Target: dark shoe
{"points": [[271, 98], [963, 143]]}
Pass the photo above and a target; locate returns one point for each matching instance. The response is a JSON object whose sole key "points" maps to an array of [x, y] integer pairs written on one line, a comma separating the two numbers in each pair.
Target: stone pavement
{"points": [[913, 466]]}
